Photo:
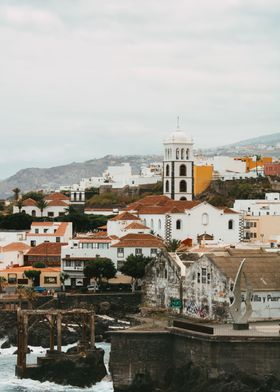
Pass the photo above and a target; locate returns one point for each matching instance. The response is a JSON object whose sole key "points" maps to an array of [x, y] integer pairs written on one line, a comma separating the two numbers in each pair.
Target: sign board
{"points": [[175, 303]]}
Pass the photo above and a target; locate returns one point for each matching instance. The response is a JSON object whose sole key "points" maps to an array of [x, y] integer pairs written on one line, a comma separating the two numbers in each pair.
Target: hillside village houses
{"points": [[57, 205], [49, 232]]}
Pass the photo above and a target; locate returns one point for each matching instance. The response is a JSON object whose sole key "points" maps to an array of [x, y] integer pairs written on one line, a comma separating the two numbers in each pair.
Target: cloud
{"points": [[81, 78]]}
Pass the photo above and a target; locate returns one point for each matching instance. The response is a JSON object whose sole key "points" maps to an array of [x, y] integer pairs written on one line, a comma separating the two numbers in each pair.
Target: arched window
{"points": [[183, 171], [187, 154], [230, 224], [183, 186], [33, 213], [152, 224], [182, 153], [205, 219], [159, 224], [167, 186], [183, 198], [177, 153], [178, 224], [167, 171]]}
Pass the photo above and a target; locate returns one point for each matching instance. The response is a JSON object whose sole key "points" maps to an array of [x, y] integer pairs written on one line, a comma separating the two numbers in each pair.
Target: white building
{"points": [[13, 254], [9, 236], [178, 166], [230, 168], [258, 207], [57, 205], [182, 219], [49, 232], [81, 250]]}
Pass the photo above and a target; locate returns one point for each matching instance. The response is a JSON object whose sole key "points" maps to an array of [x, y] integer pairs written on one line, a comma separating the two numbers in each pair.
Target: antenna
{"points": [[178, 123]]}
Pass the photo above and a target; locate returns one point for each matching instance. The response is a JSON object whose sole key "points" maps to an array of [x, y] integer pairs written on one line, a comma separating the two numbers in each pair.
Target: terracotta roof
{"points": [[228, 210], [161, 205], [103, 227], [125, 216], [136, 225], [139, 240], [261, 273], [57, 203], [15, 246], [59, 226], [42, 224], [56, 196], [29, 203], [25, 268], [46, 249]]}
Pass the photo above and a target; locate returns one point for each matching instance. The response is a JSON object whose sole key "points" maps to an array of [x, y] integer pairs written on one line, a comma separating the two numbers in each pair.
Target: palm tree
{"points": [[16, 192], [173, 245], [63, 277], [41, 204], [19, 204]]}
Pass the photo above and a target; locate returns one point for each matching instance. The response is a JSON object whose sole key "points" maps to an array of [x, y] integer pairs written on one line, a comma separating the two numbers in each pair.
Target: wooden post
{"points": [[84, 338], [58, 325], [19, 338], [51, 333], [92, 331], [24, 340]]}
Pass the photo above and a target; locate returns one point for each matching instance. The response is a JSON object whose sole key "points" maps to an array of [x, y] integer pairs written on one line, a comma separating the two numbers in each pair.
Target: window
{"points": [[50, 279], [230, 224], [103, 246], [68, 263], [22, 281], [178, 224], [33, 243], [120, 252], [57, 239], [167, 171], [50, 214], [183, 171], [61, 213], [183, 186], [152, 224], [182, 153], [33, 213], [138, 251], [205, 219], [78, 264], [203, 275], [177, 153], [167, 186], [159, 224], [45, 230], [153, 252], [187, 154], [12, 278], [208, 278], [198, 277], [36, 231], [183, 198]]}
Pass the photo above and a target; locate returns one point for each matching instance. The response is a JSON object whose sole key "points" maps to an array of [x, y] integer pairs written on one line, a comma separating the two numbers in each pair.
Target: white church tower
{"points": [[178, 166]]}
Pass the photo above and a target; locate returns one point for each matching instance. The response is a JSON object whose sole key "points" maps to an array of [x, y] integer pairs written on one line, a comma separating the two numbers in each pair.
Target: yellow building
{"points": [[252, 164], [49, 277], [202, 178]]}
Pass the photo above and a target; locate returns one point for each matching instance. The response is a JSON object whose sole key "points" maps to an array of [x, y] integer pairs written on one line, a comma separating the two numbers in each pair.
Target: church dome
{"points": [[178, 136]]}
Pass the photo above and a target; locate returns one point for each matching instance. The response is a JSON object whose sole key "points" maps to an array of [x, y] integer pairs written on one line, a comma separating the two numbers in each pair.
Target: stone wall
{"points": [[156, 354]]}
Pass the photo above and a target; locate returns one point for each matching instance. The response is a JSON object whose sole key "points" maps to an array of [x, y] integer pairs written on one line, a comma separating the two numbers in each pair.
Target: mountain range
{"points": [[52, 178]]}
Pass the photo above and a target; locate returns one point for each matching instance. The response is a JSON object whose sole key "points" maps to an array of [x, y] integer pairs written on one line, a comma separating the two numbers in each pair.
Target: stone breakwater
{"points": [[178, 361]]}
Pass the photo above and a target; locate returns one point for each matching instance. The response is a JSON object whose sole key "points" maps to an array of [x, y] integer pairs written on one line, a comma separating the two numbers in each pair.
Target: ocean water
{"points": [[10, 383]]}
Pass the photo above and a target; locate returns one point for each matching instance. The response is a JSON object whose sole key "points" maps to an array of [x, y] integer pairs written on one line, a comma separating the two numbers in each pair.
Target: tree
{"points": [[34, 275], [16, 192], [41, 204], [173, 245], [19, 204], [19, 221], [134, 266], [100, 268], [33, 195], [63, 277], [39, 264]]}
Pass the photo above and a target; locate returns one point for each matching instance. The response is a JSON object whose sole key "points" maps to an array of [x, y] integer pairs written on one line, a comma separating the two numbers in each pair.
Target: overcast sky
{"points": [[80, 79]]}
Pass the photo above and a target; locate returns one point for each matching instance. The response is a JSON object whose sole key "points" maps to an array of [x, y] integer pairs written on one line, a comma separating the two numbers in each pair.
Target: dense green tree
{"points": [[33, 195], [134, 266], [39, 264], [34, 275], [19, 221], [63, 277], [2, 283], [41, 204], [99, 269]]}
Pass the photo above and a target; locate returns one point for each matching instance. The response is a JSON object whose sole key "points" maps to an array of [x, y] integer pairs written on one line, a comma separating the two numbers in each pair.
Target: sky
{"points": [[80, 79]]}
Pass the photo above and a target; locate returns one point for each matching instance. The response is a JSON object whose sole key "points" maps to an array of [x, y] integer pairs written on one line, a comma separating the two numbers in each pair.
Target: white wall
{"points": [[9, 258], [223, 164]]}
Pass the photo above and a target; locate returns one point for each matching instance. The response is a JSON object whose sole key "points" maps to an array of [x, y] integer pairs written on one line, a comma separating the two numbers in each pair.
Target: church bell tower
{"points": [[178, 166]]}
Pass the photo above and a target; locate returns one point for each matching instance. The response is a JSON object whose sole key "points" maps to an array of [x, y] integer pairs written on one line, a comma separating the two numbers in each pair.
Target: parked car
{"points": [[92, 287], [40, 289]]}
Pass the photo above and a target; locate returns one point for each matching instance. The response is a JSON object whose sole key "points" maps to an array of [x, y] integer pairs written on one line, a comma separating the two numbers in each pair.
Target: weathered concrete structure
{"points": [[154, 354]]}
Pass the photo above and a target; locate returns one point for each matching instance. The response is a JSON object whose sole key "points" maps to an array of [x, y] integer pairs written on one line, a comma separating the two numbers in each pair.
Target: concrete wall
{"points": [[156, 353]]}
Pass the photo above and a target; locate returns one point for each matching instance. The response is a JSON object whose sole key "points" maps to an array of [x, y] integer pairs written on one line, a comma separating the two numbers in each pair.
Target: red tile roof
{"points": [[125, 216], [136, 225], [161, 205], [42, 224], [15, 246], [57, 203], [25, 268], [139, 241], [29, 203], [46, 249], [56, 196]]}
